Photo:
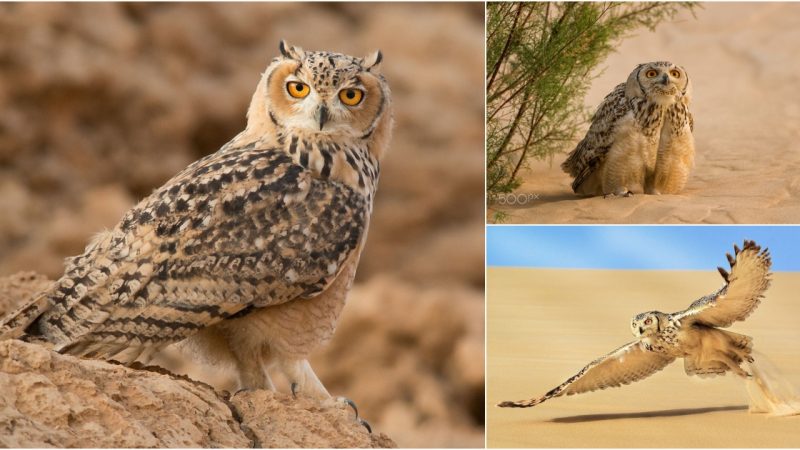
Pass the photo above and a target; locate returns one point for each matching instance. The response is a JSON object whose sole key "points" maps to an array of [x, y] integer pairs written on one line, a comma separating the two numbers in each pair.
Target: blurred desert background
{"points": [[544, 325], [101, 103], [742, 60]]}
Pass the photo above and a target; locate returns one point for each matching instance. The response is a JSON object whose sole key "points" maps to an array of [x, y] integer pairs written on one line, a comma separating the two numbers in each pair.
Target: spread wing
{"points": [[238, 230], [591, 151], [740, 295], [624, 365]]}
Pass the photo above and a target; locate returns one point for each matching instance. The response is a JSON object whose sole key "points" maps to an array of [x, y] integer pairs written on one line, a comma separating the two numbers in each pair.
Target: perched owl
{"points": [[248, 254], [641, 136], [692, 334]]}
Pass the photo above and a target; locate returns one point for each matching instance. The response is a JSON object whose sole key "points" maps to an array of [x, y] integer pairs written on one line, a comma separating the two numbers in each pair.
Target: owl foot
{"points": [[620, 193], [346, 402]]}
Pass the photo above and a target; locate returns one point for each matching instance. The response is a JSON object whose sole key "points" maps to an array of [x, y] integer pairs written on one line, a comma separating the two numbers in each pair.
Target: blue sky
{"points": [[635, 247]]}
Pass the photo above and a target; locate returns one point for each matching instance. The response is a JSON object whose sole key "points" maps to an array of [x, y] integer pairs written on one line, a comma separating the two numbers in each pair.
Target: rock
{"points": [[53, 400], [280, 421], [47, 399]]}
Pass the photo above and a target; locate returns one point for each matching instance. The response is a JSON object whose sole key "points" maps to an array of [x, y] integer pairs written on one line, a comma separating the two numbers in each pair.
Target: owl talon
{"points": [[351, 404], [365, 424], [621, 194], [244, 389], [294, 387]]}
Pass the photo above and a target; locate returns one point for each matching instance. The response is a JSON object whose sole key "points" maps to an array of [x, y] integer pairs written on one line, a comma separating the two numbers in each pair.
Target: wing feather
{"points": [[237, 230], [629, 363], [742, 292], [592, 149]]}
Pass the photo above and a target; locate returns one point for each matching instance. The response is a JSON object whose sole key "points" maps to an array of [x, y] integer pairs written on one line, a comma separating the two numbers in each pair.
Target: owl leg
{"points": [[304, 380], [252, 370], [674, 162], [618, 174]]}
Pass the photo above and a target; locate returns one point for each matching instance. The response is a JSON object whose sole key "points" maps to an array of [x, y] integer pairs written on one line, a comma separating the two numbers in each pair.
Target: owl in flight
{"points": [[248, 254], [641, 136], [692, 334]]}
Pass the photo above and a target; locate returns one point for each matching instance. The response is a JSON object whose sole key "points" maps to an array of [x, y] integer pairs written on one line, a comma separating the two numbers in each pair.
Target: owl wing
{"points": [[740, 295], [591, 151], [629, 363], [238, 230]]}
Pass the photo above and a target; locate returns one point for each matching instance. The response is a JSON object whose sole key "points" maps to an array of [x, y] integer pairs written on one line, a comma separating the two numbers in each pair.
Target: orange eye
{"points": [[297, 89], [675, 74], [351, 97], [651, 73], [647, 322]]}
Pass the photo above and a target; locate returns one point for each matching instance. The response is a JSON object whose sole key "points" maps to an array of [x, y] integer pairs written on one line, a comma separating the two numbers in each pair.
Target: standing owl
{"points": [[248, 254], [641, 136], [693, 334]]}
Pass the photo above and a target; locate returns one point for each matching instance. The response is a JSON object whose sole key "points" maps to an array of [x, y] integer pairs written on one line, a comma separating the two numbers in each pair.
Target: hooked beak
{"points": [[322, 116], [664, 79], [641, 331]]}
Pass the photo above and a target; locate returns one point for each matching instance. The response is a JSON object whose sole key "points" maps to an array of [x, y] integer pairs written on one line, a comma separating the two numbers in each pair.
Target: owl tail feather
{"points": [[13, 326]]}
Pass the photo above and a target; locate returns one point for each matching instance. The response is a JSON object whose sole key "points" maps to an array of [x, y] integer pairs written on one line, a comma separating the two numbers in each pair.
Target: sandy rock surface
{"points": [[52, 400], [742, 61]]}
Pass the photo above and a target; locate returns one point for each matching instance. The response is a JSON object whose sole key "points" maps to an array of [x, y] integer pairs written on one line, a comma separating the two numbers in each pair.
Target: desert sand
{"points": [[546, 324], [742, 60]]}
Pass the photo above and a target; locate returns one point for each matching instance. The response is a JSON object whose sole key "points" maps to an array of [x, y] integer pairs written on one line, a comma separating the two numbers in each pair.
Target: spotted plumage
{"points": [[691, 334], [640, 136], [246, 256]]}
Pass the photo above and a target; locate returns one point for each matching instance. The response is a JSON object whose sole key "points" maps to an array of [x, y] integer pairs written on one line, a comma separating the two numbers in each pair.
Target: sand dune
{"points": [[545, 324], [742, 59]]}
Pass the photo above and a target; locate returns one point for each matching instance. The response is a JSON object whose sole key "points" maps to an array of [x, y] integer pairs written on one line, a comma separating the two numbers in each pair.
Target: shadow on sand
{"points": [[647, 414]]}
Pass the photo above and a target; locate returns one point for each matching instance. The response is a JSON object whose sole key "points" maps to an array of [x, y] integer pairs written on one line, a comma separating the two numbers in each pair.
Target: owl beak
{"points": [[641, 331], [665, 79], [322, 116]]}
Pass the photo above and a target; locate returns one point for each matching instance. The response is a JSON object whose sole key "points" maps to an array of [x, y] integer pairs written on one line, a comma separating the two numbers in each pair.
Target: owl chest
{"points": [[667, 341], [347, 161], [296, 328], [631, 140]]}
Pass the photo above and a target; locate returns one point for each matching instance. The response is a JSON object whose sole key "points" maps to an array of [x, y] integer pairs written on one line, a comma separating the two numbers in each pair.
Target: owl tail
{"points": [[13, 326]]}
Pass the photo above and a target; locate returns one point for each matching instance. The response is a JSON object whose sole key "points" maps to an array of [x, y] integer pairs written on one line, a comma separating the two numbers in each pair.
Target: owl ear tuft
{"points": [[372, 62], [289, 51], [633, 87]]}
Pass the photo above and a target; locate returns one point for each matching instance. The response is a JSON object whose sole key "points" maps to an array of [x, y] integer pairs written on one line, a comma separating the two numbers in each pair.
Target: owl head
{"points": [[322, 93], [648, 323], [661, 82]]}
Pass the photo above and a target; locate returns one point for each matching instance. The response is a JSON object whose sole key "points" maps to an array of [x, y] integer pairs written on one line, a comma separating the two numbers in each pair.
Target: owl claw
{"points": [[244, 389], [294, 387], [365, 424], [346, 401], [623, 194]]}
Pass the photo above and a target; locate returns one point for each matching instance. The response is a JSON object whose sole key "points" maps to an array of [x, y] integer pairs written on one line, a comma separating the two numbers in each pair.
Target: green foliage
{"points": [[539, 61]]}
